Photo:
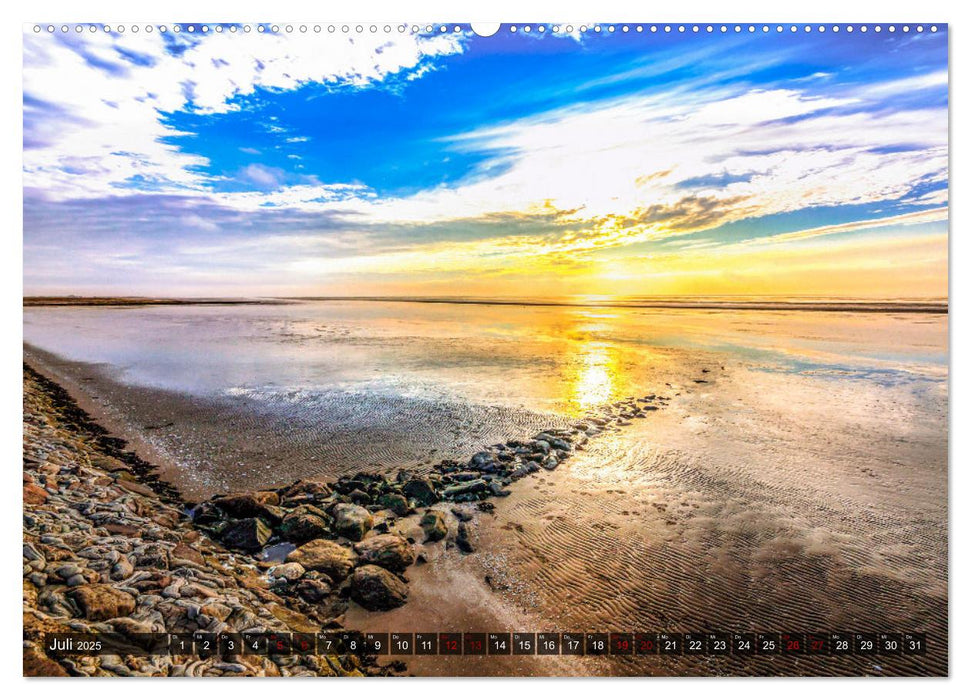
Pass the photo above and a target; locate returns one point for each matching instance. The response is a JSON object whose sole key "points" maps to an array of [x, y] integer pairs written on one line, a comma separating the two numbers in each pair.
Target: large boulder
{"points": [[249, 535], [393, 552], [99, 602], [303, 527], [433, 524], [261, 504], [324, 556], [421, 490], [351, 521], [374, 588]]}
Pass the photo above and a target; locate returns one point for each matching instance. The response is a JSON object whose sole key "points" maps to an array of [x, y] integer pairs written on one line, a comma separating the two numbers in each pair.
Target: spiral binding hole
{"points": [[513, 28]]}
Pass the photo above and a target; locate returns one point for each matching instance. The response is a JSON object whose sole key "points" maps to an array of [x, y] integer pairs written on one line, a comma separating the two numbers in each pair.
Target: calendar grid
{"points": [[205, 645]]}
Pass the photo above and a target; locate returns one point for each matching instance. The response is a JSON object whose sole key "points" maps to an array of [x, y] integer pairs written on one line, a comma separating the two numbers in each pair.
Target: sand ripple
{"points": [[634, 535]]}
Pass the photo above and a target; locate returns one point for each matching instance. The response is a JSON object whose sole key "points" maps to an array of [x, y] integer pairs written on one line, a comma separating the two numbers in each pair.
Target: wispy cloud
{"points": [[912, 218]]}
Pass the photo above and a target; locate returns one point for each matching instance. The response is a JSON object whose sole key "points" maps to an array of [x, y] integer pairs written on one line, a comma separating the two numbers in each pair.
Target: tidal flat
{"points": [[795, 478]]}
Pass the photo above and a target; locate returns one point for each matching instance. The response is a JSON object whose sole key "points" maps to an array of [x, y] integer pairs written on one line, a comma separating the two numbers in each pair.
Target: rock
{"points": [[464, 539], [393, 552], [352, 521], [152, 556], [38, 665], [313, 590], [346, 485], [99, 602], [128, 627], [421, 490], [304, 491], [270, 498], [251, 505], [216, 611], [124, 529], [290, 571], [496, 489], [374, 588], [465, 476], [521, 471], [31, 553], [34, 495], [174, 589], [303, 527], [362, 498], [206, 514], [108, 464], [394, 502], [122, 569], [184, 555], [480, 460], [462, 515], [247, 535], [67, 571], [467, 487], [433, 524], [326, 556], [227, 667], [127, 481]]}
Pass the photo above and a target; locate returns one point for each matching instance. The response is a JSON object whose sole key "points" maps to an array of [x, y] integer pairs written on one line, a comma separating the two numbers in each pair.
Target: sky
{"points": [[442, 163]]}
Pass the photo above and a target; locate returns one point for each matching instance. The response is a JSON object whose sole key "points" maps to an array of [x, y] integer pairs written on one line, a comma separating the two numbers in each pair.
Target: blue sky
{"points": [[411, 163]]}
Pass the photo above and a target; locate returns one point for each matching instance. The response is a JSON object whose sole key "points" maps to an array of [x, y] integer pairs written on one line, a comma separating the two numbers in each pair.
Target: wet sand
{"points": [[210, 444], [672, 525]]}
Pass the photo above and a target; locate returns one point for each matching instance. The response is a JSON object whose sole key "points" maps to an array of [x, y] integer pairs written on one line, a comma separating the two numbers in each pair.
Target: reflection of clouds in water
{"points": [[884, 376]]}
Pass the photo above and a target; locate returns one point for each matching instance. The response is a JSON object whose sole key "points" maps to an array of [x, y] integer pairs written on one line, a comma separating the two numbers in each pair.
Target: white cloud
{"points": [[693, 161], [262, 175], [93, 118]]}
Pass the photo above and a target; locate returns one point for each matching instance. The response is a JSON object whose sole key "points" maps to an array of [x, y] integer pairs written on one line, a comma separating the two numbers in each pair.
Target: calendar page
{"points": [[449, 349]]}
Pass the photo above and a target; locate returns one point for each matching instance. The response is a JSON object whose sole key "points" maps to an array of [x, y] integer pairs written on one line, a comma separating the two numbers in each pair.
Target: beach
{"points": [[108, 551], [787, 473]]}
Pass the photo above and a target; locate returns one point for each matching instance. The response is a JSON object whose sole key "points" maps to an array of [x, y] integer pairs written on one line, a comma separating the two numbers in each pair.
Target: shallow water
{"points": [[797, 480], [555, 359]]}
